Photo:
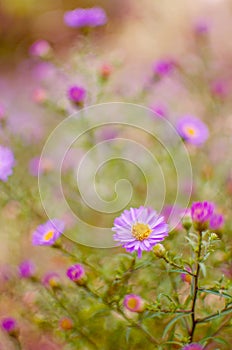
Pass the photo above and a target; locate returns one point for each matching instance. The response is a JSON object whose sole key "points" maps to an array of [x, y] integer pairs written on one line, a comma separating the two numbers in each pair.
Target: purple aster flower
{"points": [[192, 130], [77, 94], [7, 162], [163, 67], [48, 233], [9, 325], [40, 48], [51, 279], [139, 229], [134, 303], [76, 273], [91, 17], [216, 222], [26, 269], [193, 346], [201, 213]]}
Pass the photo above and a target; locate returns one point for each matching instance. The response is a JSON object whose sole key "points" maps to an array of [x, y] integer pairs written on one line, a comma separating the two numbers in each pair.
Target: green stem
{"points": [[178, 267], [195, 288]]}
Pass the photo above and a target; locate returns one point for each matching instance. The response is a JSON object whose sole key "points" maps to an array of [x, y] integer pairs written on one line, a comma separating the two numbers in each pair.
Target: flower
{"points": [[9, 325], [216, 222], [80, 17], [160, 110], [201, 213], [139, 229], [192, 130], [48, 233], [2, 112], [163, 67], [105, 71], [40, 48], [51, 279], [26, 269], [38, 166], [193, 346], [185, 277], [39, 95], [7, 162], [66, 323], [134, 303], [76, 273], [219, 88], [201, 27], [77, 94]]}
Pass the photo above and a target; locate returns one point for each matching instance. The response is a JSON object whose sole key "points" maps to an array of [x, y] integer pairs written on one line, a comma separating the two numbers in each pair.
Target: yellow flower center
{"points": [[190, 131], [132, 303], [49, 235], [141, 231]]}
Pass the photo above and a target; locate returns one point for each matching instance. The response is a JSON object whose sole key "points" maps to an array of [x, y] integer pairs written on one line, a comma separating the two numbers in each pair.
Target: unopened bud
{"points": [[159, 250], [187, 222]]}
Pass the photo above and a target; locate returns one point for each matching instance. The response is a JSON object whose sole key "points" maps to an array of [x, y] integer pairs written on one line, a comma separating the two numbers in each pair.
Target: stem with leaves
{"points": [[195, 287]]}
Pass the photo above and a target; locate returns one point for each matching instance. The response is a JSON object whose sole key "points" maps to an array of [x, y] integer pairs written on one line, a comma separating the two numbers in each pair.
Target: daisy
{"points": [[139, 229]]}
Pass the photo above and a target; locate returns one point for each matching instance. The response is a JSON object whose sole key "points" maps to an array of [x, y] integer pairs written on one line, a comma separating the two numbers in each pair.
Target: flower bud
{"points": [[66, 323], [9, 325], [187, 222], [159, 250]]}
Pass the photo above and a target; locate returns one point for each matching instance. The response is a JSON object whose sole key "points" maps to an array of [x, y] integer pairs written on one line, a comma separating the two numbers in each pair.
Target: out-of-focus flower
{"points": [[66, 323], [77, 94], [26, 269], [48, 233], [201, 27], [51, 279], [9, 325], [219, 88], [39, 166], [192, 130], [160, 110], [164, 67], [105, 71], [39, 95], [40, 48], [216, 222], [185, 276], [139, 229], [7, 162], [201, 213], [2, 112], [134, 303], [76, 273], [193, 346], [80, 17]]}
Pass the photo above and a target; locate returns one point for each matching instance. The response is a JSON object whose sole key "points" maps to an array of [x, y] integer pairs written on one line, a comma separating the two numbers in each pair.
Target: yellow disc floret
{"points": [[141, 231], [48, 235]]}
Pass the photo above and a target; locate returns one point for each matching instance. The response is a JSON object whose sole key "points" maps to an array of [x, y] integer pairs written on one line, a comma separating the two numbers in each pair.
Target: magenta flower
{"points": [[91, 17], [139, 229], [216, 222], [26, 269], [193, 346], [201, 213], [48, 233], [134, 303], [77, 94], [9, 325], [201, 27], [76, 273], [40, 48], [7, 162], [192, 130], [163, 67]]}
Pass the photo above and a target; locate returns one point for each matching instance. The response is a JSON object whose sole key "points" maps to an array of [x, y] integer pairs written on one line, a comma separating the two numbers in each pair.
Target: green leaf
{"points": [[203, 268], [128, 332], [216, 292], [172, 322], [179, 271]]}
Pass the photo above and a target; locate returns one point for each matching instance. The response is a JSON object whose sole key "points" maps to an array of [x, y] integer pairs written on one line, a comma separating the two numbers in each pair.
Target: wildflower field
{"points": [[115, 175]]}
